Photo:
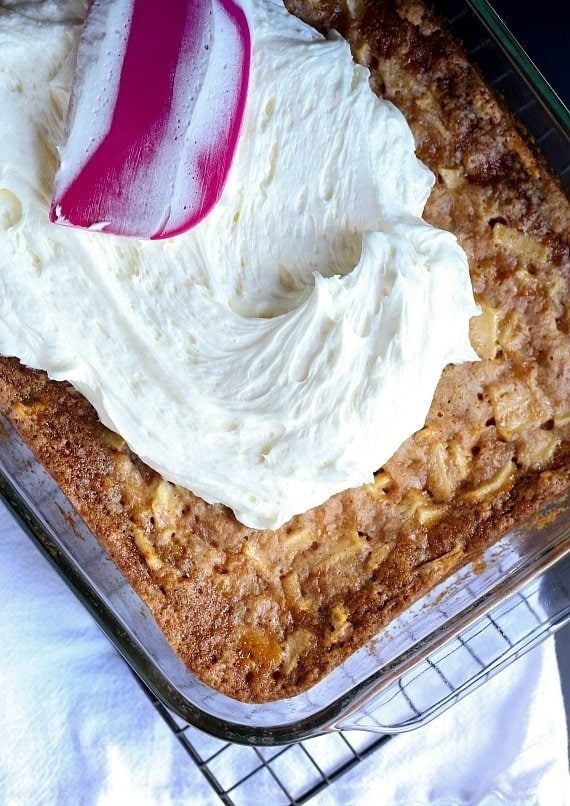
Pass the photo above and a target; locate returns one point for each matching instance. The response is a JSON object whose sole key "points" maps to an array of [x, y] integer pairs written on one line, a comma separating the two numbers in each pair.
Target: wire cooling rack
{"points": [[289, 774], [295, 773]]}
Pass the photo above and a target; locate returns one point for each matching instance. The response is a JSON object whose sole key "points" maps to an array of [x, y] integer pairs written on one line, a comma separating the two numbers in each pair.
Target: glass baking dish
{"points": [[441, 647]]}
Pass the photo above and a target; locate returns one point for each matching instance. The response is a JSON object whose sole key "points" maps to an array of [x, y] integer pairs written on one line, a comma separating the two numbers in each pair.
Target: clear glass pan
{"points": [[442, 646]]}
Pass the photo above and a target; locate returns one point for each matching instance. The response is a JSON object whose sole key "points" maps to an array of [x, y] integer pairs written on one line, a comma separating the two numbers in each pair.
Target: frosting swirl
{"points": [[284, 348]]}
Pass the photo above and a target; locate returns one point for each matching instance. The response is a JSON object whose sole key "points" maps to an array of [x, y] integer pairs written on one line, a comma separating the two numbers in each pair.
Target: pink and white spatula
{"points": [[156, 108]]}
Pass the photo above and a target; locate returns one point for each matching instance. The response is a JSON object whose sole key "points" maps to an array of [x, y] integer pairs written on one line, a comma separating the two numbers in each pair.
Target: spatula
{"points": [[156, 107]]}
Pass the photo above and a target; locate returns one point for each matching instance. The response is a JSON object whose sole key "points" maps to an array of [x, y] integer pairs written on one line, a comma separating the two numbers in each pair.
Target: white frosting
{"points": [[283, 349]]}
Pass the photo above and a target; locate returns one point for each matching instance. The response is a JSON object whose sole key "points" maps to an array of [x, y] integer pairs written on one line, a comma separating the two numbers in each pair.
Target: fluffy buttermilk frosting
{"points": [[283, 349]]}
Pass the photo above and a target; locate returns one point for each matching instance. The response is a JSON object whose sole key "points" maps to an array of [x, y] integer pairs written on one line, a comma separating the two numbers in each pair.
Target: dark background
{"points": [[543, 29]]}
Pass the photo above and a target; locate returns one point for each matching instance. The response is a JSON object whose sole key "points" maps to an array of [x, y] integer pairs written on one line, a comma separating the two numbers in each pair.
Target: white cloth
{"points": [[75, 727]]}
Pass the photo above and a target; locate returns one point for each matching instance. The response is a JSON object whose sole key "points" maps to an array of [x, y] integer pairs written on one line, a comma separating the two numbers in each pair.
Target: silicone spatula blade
{"points": [[155, 113]]}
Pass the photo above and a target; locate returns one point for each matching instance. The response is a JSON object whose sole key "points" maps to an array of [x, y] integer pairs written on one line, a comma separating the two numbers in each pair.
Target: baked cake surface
{"points": [[264, 614]]}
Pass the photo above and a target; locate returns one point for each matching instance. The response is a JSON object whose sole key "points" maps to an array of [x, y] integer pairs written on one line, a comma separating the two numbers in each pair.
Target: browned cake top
{"points": [[260, 615]]}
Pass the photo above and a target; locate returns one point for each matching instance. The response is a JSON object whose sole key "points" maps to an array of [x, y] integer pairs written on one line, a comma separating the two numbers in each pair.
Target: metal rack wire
{"points": [[295, 773], [288, 774]]}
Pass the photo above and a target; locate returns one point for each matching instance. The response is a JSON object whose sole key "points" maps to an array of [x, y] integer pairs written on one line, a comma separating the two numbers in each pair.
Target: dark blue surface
{"points": [[543, 29]]}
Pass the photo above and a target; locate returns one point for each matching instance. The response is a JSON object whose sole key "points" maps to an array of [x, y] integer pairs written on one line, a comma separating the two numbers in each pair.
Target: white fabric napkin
{"points": [[75, 727]]}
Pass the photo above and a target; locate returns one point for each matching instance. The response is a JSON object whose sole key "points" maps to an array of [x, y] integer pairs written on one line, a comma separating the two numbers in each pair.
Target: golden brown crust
{"points": [[261, 615]]}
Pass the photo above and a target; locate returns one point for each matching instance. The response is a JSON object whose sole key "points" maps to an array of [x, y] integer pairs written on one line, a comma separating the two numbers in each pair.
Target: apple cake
{"points": [[265, 614]]}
